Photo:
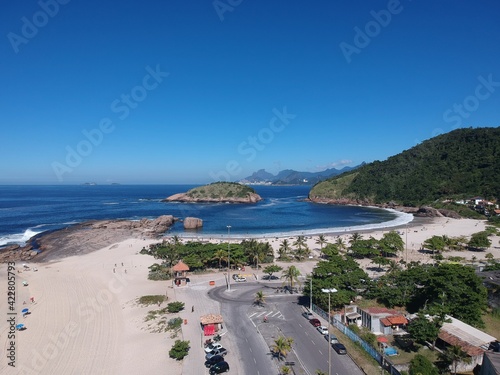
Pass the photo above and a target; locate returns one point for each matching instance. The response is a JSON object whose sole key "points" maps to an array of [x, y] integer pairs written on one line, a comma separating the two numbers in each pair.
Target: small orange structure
{"points": [[211, 283], [180, 271]]}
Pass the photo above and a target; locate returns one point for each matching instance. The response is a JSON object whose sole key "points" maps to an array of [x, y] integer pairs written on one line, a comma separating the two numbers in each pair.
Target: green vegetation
{"points": [[175, 307], [201, 256], [179, 350], [221, 190], [440, 289], [421, 365], [282, 346], [151, 300], [459, 164]]}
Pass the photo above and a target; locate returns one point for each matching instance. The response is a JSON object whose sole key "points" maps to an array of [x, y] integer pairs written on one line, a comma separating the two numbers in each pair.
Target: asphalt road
{"points": [[245, 321]]}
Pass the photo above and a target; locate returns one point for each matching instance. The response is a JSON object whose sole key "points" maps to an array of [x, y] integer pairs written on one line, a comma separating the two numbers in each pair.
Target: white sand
{"points": [[85, 320]]}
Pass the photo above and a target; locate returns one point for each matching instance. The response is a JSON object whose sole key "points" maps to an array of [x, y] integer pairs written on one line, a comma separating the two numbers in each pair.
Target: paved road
{"points": [[253, 336]]}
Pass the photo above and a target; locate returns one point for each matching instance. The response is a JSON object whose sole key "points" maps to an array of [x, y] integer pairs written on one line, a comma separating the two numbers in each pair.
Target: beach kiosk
{"points": [[211, 324], [180, 271]]}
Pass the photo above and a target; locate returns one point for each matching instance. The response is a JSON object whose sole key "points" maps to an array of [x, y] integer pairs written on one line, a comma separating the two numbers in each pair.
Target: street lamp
{"points": [[228, 260], [311, 293], [329, 291]]}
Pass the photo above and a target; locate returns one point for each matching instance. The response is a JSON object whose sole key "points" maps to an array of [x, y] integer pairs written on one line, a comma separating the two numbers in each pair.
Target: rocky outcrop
{"points": [[342, 201], [153, 226], [426, 211], [192, 223], [184, 197], [217, 192], [84, 238]]}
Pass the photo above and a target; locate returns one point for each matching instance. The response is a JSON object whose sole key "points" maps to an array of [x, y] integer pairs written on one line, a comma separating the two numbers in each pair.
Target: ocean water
{"points": [[29, 210]]}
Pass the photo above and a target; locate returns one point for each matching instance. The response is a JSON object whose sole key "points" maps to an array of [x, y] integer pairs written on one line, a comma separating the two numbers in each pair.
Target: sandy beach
{"points": [[85, 320]]}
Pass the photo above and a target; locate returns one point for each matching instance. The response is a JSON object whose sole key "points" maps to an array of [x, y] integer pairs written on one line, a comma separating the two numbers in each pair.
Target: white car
{"points": [[240, 279], [323, 330], [212, 347]]}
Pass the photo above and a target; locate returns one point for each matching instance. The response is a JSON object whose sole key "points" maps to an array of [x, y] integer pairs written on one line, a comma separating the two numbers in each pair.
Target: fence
{"points": [[387, 365]]}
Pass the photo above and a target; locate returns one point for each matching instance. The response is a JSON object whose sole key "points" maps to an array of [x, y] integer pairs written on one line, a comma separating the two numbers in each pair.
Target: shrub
{"points": [[421, 365], [179, 350], [151, 300], [175, 307]]}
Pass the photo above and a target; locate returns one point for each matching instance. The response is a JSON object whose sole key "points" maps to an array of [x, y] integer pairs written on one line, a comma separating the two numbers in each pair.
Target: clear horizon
{"points": [[193, 93]]}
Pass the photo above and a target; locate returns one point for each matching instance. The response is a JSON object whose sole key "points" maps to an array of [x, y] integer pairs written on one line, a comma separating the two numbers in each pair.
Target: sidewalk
{"points": [[196, 295]]}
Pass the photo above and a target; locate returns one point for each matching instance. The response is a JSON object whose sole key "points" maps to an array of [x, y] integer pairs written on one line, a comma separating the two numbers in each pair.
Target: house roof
{"points": [[470, 339], [180, 266], [394, 320], [380, 311], [211, 319]]}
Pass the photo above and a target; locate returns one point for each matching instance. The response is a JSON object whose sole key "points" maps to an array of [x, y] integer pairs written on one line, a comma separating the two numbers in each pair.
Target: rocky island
{"points": [[218, 192]]}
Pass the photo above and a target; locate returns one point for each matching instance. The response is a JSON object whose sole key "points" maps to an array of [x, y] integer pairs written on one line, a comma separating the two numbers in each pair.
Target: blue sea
{"points": [[29, 210]]}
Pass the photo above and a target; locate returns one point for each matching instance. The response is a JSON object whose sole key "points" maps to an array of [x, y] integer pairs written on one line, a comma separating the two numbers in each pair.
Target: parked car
{"points": [[213, 360], [308, 315], [339, 348], [270, 277], [240, 279], [235, 276], [219, 368], [220, 351], [315, 322], [213, 346], [333, 339], [323, 330]]}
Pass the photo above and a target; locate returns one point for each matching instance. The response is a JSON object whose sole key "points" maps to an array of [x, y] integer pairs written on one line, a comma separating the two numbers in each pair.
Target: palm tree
{"points": [[284, 249], [290, 275], [302, 250], [300, 243], [455, 355], [253, 250], [285, 370], [340, 244], [321, 241], [282, 346], [220, 255], [260, 298], [355, 237]]}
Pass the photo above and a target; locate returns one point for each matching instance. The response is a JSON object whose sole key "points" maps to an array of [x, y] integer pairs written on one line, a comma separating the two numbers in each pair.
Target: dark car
{"points": [[339, 348], [213, 360], [219, 368], [315, 322]]}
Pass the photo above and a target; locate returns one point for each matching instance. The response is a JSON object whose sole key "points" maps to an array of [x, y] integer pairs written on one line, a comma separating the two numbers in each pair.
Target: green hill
{"points": [[218, 192], [460, 164]]}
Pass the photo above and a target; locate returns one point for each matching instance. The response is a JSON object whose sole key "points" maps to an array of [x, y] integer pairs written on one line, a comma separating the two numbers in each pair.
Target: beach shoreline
{"points": [[85, 303]]}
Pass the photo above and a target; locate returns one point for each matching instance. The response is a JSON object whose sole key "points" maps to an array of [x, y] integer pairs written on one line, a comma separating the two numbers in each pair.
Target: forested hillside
{"points": [[459, 164]]}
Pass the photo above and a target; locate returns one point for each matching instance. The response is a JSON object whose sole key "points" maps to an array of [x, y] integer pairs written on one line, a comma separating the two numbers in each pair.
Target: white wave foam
{"points": [[19, 238]]}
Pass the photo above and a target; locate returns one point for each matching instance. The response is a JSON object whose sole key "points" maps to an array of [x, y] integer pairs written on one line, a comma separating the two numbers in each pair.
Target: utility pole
{"points": [[228, 260]]}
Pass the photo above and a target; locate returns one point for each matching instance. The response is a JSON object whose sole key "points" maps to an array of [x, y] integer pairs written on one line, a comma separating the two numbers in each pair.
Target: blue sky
{"points": [[196, 91]]}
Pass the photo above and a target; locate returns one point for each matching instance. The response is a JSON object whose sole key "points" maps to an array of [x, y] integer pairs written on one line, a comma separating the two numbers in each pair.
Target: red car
{"points": [[315, 322]]}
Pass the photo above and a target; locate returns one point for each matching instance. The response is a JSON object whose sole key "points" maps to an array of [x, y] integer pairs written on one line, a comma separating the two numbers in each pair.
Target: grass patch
{"points": [[492, 323], [151, 300]]}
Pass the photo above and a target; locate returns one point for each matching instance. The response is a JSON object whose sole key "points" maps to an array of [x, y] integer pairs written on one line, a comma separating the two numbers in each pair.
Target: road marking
{"points": [[313, 342], [320, 352], [252, 315], [276, 313], [254, 360]]}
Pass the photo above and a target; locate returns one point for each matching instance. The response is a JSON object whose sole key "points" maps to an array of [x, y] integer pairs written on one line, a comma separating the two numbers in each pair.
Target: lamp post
{"points": [[329, 291], [228, 260], [311, 293]]}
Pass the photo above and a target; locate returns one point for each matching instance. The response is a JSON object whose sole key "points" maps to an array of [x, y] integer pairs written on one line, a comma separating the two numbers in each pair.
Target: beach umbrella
{"points": [[382, 339], [20, 326], [25, 311]]}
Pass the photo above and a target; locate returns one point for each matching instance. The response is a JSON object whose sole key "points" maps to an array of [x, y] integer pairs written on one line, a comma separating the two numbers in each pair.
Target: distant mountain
{"points": [[292, 177], [460, 164]]}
